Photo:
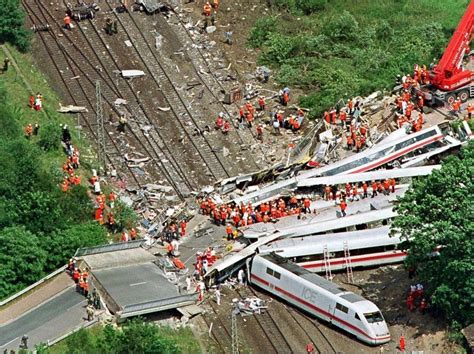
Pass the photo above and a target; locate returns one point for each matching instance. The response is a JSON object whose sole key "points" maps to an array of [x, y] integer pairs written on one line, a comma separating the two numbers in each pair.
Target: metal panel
{"points": [[109, 248]]}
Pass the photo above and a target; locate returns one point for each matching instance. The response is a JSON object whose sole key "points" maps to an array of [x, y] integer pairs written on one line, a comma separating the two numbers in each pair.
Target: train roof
{"points": [[312, 278], [301, 246], [319, 226]]}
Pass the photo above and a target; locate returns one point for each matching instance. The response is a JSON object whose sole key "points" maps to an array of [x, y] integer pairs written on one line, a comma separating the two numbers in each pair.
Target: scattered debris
{"points": [[136, 160], [128, 74], [250, 306], [210, 29], [72, 109], [128, 43], [120, 101], [164, 109]]}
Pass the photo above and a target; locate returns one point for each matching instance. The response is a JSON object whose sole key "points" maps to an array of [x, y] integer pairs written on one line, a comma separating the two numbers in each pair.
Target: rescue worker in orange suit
{"points": [[183, 225], [410, 300], [364, 188], [226, 127], [260, 132], [133, 234], [470, 110], [261, 103], [67, 22], [215, 5], [170, 249], [75, 275], [310, 348], [219, 121], [421, 103], [28, 131], [374, 189], [229, 232], [457, 106], [249, 119], [327, 118], [307, 205], [401, 344], [343, 207], [207, 9], [32, 101], [327, 192], [85, 288]]}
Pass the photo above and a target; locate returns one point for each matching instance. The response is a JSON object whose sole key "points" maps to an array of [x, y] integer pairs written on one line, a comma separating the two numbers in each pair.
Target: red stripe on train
{"points": [[401, 152], [354, 260]]}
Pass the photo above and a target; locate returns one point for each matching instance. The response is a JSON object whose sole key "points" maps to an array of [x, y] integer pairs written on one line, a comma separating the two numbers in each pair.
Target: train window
{"points": [[273, 273], [373, 317], [357, 316], [342, 308]]}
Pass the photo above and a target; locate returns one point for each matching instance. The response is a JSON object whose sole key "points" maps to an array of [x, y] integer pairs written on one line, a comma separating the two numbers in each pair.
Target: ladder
{"points": [[327, 263], [347, 259]]}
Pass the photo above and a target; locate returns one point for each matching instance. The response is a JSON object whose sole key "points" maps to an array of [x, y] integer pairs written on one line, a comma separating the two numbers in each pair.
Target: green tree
{"points": [[62, 244], [12, 19], [22, 260], [438, 211]]}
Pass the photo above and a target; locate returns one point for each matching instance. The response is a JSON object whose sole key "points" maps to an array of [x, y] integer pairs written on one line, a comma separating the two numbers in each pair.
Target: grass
{"points": [[18, 95]]}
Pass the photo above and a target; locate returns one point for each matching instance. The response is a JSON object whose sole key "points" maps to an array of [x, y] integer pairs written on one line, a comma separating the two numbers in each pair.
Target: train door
{"points": [[331, 310]]}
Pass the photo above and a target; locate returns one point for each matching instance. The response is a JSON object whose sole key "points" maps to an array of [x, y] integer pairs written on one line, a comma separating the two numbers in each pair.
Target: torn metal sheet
{"points": [[72, 109], [151, 6], [120, 101], [368, 176]]}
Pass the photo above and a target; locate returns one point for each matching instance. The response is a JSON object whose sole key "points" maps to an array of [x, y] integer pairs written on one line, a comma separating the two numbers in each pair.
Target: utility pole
{"points": [[100, 128], [235, 335]]}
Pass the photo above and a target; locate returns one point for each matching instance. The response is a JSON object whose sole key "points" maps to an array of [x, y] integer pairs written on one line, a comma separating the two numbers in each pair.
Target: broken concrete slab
{"points": [[128, 158]]}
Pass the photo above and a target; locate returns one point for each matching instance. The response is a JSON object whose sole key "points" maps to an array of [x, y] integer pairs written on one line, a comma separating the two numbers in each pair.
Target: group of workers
{"points": [[416, 296], [245, 215], [355, 192], [72, 163], [348, 118], [405, 109]]}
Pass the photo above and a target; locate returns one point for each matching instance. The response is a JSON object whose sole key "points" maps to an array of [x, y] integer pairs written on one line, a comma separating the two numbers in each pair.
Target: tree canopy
{"points": [[12, 24], [340, 48], [437, 213], [40, 227], [134, 336]]}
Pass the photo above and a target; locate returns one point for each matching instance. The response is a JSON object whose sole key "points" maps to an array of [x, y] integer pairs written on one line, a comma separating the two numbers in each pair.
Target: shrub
{"points": [[50, 137], [310, 6], [261, 31]]}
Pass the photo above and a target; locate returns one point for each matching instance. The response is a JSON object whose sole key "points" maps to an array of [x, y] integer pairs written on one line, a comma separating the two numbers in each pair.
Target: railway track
{"points": [[276, 336], [305, 323], [66, 71], [197, 58], [221, 332], [177, 104], [100, 67]]}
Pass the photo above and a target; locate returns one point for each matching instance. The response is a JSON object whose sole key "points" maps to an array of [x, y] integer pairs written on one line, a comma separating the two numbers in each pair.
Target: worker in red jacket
{"points": [[307, 205], [261, 103], [226, 128], [364, 188], [343, 207]]}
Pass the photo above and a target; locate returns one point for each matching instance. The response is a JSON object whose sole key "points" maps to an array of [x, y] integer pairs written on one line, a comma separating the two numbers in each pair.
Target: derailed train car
{"points": [[319, 297], [364, 248]]}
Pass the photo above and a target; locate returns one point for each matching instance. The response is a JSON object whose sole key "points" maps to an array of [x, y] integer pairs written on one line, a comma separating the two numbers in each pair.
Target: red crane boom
{"points": [[449, 74]]}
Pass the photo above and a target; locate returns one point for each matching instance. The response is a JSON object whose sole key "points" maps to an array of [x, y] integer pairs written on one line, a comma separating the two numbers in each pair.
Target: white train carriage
{"points": [[363, 248], [319, 297]]}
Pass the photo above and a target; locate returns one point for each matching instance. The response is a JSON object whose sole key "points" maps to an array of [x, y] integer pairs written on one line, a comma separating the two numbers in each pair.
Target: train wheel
{"points": [[463, 95], [450, 98]]}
